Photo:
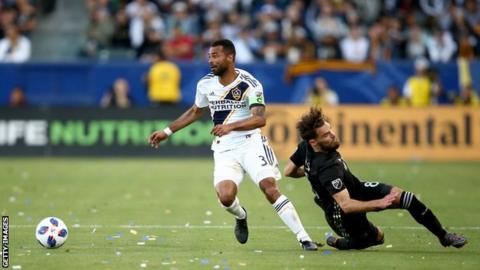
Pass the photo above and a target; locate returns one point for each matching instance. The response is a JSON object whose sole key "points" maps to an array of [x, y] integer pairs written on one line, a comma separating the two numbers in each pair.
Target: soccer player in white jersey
{"points": [[236, 103]]}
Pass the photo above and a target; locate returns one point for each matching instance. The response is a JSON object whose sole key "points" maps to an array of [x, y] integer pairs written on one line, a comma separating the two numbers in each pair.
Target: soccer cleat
{"points": [[451, 239], [332, 241], [241, 229], [309, 245]]}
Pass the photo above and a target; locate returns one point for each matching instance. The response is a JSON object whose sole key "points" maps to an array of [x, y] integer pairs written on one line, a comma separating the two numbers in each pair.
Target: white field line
{"points": [[208, 227]]}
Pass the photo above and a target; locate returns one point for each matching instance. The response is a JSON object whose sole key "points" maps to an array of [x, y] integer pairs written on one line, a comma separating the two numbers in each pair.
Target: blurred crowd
{"points": [[291, 30], [17, 21]]}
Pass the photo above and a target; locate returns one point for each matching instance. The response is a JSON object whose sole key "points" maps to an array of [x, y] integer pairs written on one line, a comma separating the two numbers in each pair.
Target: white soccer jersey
{"points": [[229, 104]]}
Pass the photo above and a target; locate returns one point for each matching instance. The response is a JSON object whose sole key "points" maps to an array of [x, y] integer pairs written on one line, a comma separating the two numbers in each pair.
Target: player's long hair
{"points": [[309, 122]]}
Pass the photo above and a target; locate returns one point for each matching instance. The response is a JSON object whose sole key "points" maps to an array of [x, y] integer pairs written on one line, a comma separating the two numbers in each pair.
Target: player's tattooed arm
{"points": [[257, 120]]}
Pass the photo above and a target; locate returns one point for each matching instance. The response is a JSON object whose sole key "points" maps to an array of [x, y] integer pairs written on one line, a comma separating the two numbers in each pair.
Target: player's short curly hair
{"points": [[227, 45], [309, 122]]}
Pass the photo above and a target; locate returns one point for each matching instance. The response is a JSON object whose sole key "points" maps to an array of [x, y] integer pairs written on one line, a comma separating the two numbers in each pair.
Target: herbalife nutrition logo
{"points": [[5, 252]]}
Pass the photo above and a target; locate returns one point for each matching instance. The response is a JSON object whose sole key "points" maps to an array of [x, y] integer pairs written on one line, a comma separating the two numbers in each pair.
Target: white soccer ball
{"points": [[51, 232]]}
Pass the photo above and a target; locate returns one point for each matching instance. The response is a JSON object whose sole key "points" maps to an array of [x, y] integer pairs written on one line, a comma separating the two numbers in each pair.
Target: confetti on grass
{"points": [[133, 232]]}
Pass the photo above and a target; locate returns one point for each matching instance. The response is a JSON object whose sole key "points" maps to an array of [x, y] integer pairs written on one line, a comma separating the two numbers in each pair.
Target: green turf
{"points": [[100, 198]]}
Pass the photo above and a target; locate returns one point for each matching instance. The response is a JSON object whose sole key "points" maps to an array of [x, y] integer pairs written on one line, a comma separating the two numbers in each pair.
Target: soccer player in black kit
{"points": [[345, 199]]}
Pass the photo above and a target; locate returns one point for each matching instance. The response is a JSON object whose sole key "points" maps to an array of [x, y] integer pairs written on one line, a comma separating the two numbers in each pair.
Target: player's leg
{"points": [[260, 163], [356, 231], [226, 167], [423, 215]]}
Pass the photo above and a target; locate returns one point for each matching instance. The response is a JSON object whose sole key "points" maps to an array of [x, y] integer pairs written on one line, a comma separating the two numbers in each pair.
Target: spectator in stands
{"points": [[120, 36], [441, 46], [181, 46], [153, 36], [327, 29], [8, 16], [136, 11], [14, 48], [416, 46], [418, 88], [181, 18], [354, 47], [99, 30], [321, 95], [468, 97], [163, 82], [26, 17], [117, 96], [394, 98], [18, 98], [299, 48]]}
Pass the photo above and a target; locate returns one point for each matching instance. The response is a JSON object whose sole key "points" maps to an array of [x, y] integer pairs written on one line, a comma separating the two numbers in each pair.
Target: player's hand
{"points": [[220, 130], [387, 201], [156, 137]]}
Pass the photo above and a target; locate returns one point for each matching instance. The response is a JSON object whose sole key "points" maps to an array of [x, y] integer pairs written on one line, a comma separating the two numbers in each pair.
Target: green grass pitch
{"points": [[163, 214]]}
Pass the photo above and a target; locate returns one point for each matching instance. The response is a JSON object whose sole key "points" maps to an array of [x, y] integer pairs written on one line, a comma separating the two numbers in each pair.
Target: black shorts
{"points": [[357, 225]]}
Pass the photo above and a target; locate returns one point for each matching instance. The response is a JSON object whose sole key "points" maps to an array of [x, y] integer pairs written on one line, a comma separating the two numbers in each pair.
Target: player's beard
{"points": [[331, 146], [219, 70]]}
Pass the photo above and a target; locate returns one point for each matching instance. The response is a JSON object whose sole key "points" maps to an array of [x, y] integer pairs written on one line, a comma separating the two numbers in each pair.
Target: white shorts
{"points": [[254, 157]]}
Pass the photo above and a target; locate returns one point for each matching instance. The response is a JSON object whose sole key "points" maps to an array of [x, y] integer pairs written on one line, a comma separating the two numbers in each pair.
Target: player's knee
{"points": [[226, 199], [270, 190]]}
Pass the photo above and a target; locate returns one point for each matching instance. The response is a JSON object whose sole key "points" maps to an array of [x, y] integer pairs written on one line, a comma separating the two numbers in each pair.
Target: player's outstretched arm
{"points": [[257, 120], [188, 117], [350, 205], [292, 170]]}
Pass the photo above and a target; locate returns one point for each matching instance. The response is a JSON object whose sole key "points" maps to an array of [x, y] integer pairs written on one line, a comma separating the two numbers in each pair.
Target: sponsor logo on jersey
{"points": [[337, 183]]}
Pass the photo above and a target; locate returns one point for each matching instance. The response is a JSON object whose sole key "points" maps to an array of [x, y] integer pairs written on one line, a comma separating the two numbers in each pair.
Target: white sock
{"points": [[236, 209], [289, 216]]}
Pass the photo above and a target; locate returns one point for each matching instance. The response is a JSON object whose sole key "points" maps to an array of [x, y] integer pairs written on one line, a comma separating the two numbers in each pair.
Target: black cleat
{"points": [[332, 241], [451, 239], [241, 229], [309, 245]]}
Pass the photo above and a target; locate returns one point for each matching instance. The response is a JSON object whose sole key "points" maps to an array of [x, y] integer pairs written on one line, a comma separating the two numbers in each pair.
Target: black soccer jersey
{"points": [[327, 174]]}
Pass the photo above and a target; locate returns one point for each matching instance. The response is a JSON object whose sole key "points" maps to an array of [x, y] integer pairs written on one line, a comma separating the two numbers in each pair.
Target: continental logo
{"points": [[374, 133]]}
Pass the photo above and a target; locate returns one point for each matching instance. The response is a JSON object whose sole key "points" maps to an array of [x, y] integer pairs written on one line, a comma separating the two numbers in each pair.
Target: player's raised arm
{"points": [[257, 120], [188, 117]]}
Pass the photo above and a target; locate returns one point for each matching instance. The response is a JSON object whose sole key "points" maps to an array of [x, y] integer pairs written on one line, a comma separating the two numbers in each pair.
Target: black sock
{"points": [[421, 213]]}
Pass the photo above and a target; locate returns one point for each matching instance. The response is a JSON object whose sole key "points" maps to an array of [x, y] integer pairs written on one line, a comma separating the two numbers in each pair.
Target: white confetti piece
{"points": [[216, 266], [207, 222], [133, 232], [258, 251], [12, 199], [187, 225], [344, 262], [21, 214], [140, 243], [151, 238], [16, 267], [118, 253], [242, 264], [166, 263], [143, 265], [208, 213], [302, 256], [389, 246], [76, 225], [94, 230], [48, 254]]}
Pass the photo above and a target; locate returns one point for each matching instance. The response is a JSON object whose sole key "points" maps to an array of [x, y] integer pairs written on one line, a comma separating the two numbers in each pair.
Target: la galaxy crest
{"points": [[236, 93]]}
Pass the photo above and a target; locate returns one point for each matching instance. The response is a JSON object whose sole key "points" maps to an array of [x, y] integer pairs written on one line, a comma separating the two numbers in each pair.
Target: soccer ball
{"points": [[51, 232]]}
